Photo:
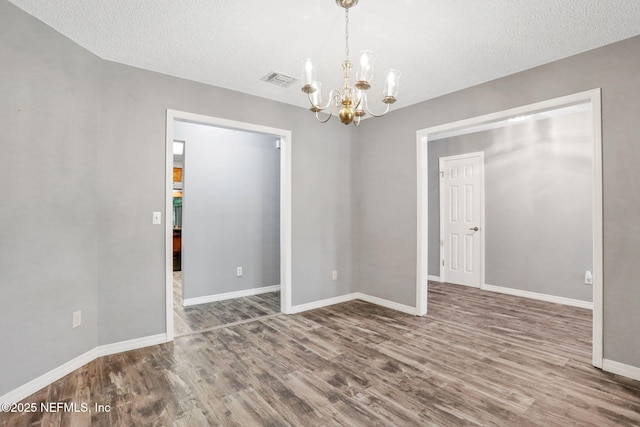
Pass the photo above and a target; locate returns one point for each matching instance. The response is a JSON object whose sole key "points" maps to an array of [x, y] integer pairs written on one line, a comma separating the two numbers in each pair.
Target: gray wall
{"points": [[386, 181], [86, 143], [538, 193], [49, 115], [231, 210]]}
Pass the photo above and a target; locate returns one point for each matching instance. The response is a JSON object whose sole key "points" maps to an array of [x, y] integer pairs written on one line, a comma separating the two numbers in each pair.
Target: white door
{"points": [[461, 211]]}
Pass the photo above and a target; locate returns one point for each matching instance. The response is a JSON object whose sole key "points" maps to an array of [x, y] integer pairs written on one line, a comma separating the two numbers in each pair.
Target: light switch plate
{"points": [[157, 217], [77, 318]]}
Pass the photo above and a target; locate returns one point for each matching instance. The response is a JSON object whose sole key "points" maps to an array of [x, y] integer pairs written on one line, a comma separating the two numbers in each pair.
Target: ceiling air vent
{"points": [[279, 79]]}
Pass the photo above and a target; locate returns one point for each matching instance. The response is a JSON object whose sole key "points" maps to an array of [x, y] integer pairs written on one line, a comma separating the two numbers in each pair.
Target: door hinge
{"points": [[441, 174], [443, 263]]}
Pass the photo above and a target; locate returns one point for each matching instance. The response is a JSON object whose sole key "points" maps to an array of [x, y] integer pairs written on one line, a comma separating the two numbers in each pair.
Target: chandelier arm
{"points": [[360, 101], [324, 121], [366, 106], [332, 95]]}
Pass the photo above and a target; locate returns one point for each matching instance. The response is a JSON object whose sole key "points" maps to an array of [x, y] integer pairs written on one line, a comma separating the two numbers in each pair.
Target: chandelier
{"points": [[352, 103]]}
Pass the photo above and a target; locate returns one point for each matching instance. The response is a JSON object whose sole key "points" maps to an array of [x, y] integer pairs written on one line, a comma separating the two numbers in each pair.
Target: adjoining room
{"points": [[227, 226]]}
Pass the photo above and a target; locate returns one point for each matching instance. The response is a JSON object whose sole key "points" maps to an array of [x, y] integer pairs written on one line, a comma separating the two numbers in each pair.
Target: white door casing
{"points": [[425, 136], [461, 219], [286, 288]]}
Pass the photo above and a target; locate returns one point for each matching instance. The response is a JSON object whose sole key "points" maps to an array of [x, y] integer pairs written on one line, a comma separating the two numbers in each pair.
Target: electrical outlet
{"points": [[334, 275], [588, 278], [77, 318], [239, 271]]}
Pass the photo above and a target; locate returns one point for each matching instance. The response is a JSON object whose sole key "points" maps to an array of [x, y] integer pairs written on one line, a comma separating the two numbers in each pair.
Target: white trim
{"points": [[538, 296], [229, 295], [593, 96], [322, 303], [422, 252], [576, 98], [386, 303], [285, 202], [168, 233], [434, 278], [286, 264], [351, 297], [134, 344], [55, 374], [47, 378], [598, 233], [556, 112], [618, 368], [441, 214]]}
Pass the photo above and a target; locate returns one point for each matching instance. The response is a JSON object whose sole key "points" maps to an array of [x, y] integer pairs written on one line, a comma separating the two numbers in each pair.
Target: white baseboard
{"points": [[386, 303], [541, 297], [229, 295], [350, 297], [47, 378], [628, 371], [322, 303], [134, 344], [433, 278], [55, 374]]}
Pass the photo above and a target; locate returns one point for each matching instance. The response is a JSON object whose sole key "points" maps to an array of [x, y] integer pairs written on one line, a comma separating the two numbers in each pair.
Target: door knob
{"points": [[474, 229]]}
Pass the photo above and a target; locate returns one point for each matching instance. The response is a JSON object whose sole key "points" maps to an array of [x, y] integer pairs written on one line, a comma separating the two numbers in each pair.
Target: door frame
{"points": [[422, 144], [480, 156], [285, 202]]}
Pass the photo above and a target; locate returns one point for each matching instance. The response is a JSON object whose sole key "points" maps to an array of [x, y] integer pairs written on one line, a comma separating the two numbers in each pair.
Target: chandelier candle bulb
{"points": [[309, 76], [364, 73], [316, 97], [391, 86]]}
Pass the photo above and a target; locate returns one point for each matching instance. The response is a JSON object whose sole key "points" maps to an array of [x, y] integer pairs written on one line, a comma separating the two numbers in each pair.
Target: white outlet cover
{"points": [[588, 278]]}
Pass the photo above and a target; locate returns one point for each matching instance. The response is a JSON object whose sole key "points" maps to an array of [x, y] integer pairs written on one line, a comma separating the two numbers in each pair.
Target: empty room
{"points": [[237, 214]]}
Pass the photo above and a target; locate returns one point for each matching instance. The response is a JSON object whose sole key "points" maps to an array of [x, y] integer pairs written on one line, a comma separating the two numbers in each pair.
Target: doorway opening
{"points": [[426, 141], [262, 143]]}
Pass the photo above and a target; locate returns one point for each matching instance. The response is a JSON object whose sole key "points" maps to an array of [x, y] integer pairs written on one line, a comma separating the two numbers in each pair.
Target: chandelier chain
{"points": [[346, 32]]}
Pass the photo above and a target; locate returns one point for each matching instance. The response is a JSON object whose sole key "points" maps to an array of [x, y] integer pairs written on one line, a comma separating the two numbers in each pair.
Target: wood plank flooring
{"points": [[201, 317], [476, 359]]}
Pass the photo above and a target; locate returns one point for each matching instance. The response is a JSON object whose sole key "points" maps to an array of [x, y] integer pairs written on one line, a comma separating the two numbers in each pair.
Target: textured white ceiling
{"points": [[439, 45]]}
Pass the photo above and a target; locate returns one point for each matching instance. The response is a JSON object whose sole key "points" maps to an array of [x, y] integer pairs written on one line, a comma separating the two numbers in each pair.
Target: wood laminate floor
{"points": [[202, 317], [476, 359]]}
